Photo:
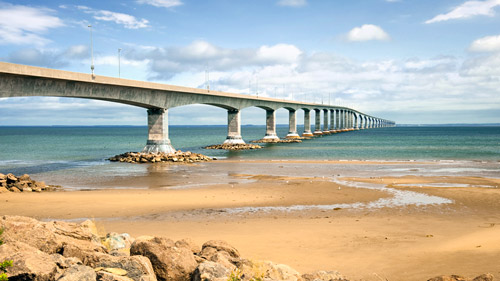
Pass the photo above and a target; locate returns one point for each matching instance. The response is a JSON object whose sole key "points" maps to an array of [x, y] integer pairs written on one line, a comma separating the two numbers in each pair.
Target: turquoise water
{"points": [[44, 149]]}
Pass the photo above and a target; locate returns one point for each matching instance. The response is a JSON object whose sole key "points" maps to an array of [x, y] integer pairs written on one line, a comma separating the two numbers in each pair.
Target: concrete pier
{"points": [[356, 119], [292, 125], [158, 140], [271, 125], [337, 120], [326, 129], [361, 123], [233, 127], [317, 125], [307, 124], [332, 121]]}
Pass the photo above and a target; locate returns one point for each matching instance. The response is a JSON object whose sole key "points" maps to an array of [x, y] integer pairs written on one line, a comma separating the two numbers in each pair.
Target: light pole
{"points": [[91, 51], [119, 51]]}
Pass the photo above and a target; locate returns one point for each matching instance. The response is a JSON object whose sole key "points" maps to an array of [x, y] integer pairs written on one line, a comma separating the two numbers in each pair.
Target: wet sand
{"points": [[409, 242]]}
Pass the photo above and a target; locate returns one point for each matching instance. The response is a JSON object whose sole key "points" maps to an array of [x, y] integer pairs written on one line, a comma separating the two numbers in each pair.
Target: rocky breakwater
{"points": [[177, 157], [50, 251], [238, 146], [24, 183], [277, 140]]}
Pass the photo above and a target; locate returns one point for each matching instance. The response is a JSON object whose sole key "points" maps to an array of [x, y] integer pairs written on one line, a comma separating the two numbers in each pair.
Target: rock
{"points": [[115, 241], [220, 245], [242, 146], [178, 156], [106, 276], [324, 276], [448, 278], [188, 244], [3, 189], [63, 262], [211, 271], [169, 262], [137, 268], [484, 277], [266, 270], [11, 178], [78, 273], [116, 271], [29, 263], [2, 176], [51, 237]]}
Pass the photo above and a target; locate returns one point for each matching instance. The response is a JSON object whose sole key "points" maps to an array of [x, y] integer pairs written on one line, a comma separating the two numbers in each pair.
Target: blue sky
{"points": [[409, 61]]}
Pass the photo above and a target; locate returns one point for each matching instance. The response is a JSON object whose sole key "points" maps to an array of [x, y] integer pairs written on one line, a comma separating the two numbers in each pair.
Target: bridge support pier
{"points": [[326, 130], [317, 125], [332, 121], [307, 123], [233, 127], [271, 125], [292, 125], [158, 140]]}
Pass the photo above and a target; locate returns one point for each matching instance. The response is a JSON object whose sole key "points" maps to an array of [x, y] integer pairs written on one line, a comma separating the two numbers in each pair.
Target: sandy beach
{"points": [[328, 222]]}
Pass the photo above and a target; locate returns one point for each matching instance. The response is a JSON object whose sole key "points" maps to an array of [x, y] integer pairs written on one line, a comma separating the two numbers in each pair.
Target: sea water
{"points": [[65, 153]]}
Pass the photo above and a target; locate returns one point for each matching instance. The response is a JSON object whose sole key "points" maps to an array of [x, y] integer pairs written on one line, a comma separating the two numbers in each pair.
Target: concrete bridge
{"points": [[22, 80]]}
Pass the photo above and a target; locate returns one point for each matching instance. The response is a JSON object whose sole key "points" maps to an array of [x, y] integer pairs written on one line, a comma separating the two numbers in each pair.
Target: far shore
{"points": [[395, 243]]}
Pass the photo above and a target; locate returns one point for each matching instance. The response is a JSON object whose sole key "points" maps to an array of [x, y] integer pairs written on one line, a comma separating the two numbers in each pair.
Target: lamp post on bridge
{"points": [[91, 51], [119, 51]]}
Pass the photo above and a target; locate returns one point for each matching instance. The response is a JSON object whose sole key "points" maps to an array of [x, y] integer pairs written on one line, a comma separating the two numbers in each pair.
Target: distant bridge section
{"points": [[22, 80]]}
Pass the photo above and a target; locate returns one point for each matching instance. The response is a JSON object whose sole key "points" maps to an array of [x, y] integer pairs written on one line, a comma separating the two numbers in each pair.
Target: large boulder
{"points": [[78, 273], [170, 263], [211, 271], [219, 246], [137, 268], [448, 278], [268, 271], [324, 276], [29, 263], [484, 277], [50, 237]]}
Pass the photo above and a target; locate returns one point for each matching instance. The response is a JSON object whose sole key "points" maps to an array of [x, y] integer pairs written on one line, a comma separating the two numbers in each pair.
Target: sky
{"points": [[413, 62]]}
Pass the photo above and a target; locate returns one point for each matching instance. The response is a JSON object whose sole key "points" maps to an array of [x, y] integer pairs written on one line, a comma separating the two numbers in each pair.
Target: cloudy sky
{"points": [[426, 61]]}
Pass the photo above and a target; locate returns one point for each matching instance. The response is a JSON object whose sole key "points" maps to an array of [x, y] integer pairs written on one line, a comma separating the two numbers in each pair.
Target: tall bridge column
{"points": [[326, 130], [317, 125], [158, 132], [292, 124], [271, 125], [233, 127], [356, 119], [337, 120], [307, 123], [361, 123], [332, 121]]}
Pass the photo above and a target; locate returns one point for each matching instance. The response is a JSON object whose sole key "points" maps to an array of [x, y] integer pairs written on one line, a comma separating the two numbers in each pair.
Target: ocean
{"points": [[63, 153]]}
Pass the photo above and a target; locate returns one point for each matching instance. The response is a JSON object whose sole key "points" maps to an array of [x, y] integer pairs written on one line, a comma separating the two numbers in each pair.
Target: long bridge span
{"points": [[22, 80]]}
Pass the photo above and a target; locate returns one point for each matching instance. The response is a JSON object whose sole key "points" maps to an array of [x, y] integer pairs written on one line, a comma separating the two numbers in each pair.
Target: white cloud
{"points": [[367, 32], [292, 3], [486, 44], [126, 20], [468, 9], [161, 3], [25, 25]]}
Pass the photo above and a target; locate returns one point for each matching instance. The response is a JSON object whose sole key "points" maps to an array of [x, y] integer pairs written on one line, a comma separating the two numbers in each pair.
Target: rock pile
{"points": [[277, 140], [22, 183], [50, 251], [177, 157], [240, 146]]}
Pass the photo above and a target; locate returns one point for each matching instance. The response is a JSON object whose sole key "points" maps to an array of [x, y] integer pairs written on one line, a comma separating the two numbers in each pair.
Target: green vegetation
{"points": [[4, 264], [234, 276], [3, 270]]}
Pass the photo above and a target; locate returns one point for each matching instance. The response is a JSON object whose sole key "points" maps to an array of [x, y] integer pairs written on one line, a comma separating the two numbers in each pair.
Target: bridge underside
{"points": [[158, 98]]}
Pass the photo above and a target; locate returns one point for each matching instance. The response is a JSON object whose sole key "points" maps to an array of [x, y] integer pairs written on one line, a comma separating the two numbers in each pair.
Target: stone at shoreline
{"points": [[240, 146], [321, 275], [277, 140], [29, 263], [170, 263], [49, 237], [176, 157], [267, 271], [211, 271], [482, 277], [22, 183], [78, 273], [137, 268]]}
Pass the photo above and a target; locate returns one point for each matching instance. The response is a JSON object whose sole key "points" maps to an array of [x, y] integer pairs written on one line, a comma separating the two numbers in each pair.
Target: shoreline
{"points": [[396, 242]]}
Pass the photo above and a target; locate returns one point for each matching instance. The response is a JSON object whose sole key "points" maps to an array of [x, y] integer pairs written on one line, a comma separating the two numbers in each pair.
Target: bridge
{"points": [[22, 80]]}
